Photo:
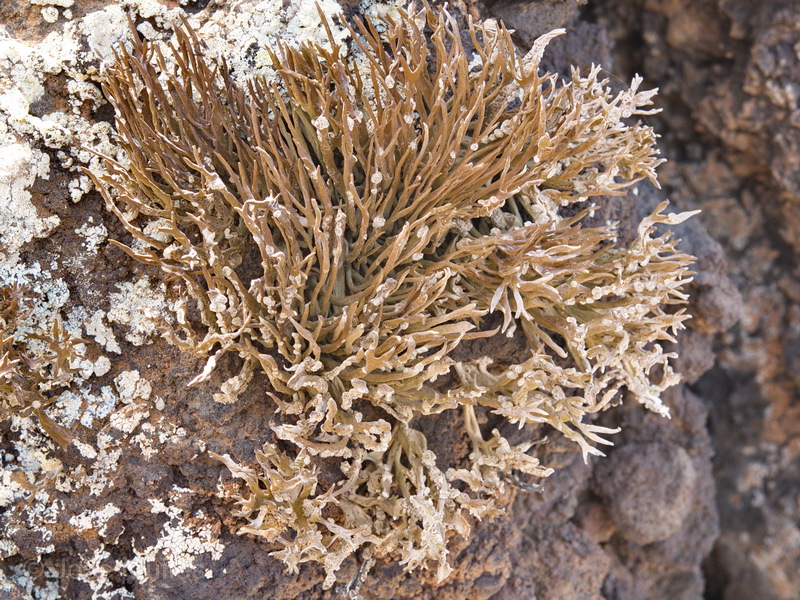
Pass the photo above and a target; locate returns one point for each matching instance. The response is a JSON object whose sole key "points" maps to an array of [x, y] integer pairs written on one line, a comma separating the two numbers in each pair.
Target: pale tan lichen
{"points": [[27, 378], [346, 230]]}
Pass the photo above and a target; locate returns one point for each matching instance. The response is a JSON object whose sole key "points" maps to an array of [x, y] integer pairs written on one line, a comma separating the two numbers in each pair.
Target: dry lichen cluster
{"points": [[27, 377], [345, 227]]}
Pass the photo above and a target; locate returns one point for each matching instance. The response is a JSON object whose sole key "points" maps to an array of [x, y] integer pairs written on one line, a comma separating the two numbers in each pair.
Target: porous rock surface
{"points": [[701, 505]]}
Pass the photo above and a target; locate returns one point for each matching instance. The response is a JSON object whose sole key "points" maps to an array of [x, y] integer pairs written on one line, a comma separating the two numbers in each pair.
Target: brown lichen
{"points": [[27, 378], [345, 228]]}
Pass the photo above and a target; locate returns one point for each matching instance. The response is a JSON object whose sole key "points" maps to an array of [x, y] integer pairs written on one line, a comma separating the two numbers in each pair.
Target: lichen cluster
{"points": [[28, 376], [344, 227]]}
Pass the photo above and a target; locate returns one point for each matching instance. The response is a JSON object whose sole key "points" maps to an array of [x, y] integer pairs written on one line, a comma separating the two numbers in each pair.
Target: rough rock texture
{"points": [[730, 78], [702, 505]]}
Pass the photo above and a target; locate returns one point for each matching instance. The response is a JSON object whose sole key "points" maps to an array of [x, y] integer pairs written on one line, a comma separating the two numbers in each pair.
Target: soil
{"points": [[702, 505]]}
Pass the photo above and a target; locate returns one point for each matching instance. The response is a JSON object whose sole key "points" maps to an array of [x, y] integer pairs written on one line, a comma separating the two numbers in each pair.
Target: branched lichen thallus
{"points": [[396, 196]]}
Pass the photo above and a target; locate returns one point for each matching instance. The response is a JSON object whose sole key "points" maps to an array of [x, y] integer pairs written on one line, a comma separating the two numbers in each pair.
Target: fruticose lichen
{"points": [[346, 226], [29, 376]]}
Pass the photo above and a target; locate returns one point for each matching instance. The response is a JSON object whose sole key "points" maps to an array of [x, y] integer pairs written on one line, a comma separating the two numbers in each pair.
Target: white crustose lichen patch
{"points": [[93, 234], [131, 386], [95, 519], [179, 543], [141, 308], [20, 222]]}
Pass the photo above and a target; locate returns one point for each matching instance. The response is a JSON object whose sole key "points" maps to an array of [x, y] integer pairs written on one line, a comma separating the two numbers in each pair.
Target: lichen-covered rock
{"points": [[93, 531], [314, 246]]}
